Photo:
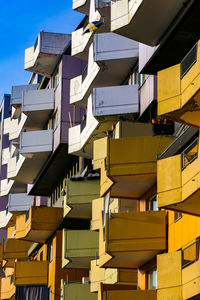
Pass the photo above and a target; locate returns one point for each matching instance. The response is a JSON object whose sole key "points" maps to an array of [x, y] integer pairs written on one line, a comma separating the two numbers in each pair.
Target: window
{"points": [[177, 216], [56, 80], [106, 209], [190, 254], [55, 121], [50, 252], [152, 203], [152, 279], [49, 293]]}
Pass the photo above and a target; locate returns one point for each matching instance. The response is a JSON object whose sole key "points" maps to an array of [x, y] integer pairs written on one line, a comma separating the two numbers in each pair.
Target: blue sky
{"points": [[20, 23]]}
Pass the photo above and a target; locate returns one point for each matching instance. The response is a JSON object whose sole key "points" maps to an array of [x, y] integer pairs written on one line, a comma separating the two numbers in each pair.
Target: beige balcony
{"points": [[10, 186], [42, 58], [78, 291], [110, 276], [7, 287], [83, 6]]}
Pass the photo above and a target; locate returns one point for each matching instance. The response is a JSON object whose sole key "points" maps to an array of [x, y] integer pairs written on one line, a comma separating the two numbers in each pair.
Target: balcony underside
{"points": [[131, 186], [177, 44], [191, 205], [83, 6], [36, 161], [37, 119], [15, 249]]}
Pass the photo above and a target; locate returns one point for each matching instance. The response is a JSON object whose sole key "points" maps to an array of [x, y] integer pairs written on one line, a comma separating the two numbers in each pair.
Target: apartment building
{"points": [[99, 164]]}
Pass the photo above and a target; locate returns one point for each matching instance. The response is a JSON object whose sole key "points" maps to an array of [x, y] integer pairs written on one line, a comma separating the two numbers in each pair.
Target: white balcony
{"points": [[83, 6], [13, 127], [142, 20], [115, 101], [19, 202], [111, 57], [37, 105], [17, 93], [81, 43], [4, 218], [43, 57], [10, 186], [105, 107], [35, 147], [36, 142]]}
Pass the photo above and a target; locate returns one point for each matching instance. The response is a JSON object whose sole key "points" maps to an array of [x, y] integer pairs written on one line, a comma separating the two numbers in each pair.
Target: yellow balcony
{"points": [[179, 90], [115, 205], [31, 272], [78, 291], [110, 276], [7, 288], [178, 181], [174, 281], [38, 224], [129, 240], [79, 248], [130, 168], [125, 292], [79, 196], [14, 249]]}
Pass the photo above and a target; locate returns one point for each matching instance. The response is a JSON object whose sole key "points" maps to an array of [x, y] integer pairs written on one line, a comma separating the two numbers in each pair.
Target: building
{"points": [[100, 158]]}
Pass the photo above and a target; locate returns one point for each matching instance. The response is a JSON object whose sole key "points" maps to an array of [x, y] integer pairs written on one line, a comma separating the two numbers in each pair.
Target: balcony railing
{"points": [[188, 61], [189, 154]]}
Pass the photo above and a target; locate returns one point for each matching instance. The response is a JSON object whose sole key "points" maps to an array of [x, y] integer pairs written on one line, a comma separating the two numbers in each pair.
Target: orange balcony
{"points": [[7, 288], [38, 224], [14, 249], [31, 272], [129, 240]]}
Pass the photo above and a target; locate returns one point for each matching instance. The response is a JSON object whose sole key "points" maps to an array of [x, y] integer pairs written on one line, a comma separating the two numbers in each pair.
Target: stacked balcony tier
{"points": [[128, 165], [129, 240], [43, 57]]}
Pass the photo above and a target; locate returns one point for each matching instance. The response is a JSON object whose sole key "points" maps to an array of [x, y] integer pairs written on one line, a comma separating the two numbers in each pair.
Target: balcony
{"points": [[35, 147], [179, 89], [125, 292], [129, 240], [128, 161], [37, 105], [116, 205], [79, 196], [97, 208], [15, 249], [5, 218], [31, 273], [79, 248], [105, 108], [42, 58], [17, 97], [178, 184], [13, 127], [7, 290], [38, 224], [135, 19], [111, 57], [83, 6], [110, 276], [78, 291], [19, 202], [10, 186], [183, 283], [81, 43]]}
